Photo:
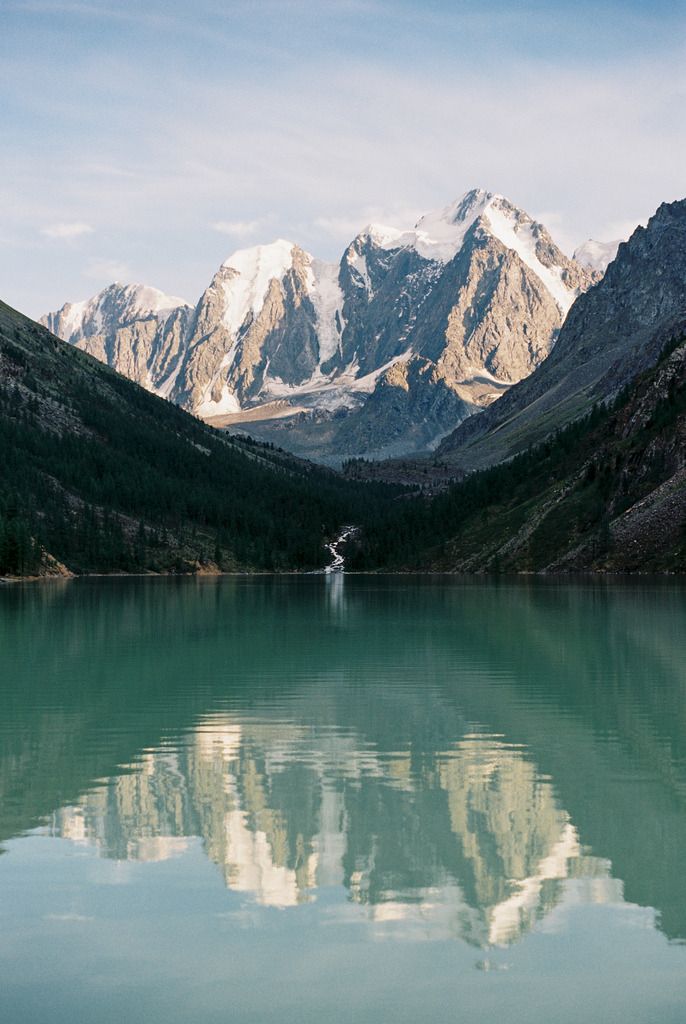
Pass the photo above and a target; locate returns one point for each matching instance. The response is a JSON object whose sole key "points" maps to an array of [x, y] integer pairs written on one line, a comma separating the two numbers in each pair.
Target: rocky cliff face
{"points": [[613, 332], [383, 353]]}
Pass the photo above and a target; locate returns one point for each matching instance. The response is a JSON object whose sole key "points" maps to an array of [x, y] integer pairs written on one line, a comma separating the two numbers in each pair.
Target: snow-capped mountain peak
{"points": [[125, 302], [440, 235], [138, 301], [251, 272], [436, 236], [517, 231], [384, 237], [468, 206], [414, 328], [270, 260], [143, 299]]}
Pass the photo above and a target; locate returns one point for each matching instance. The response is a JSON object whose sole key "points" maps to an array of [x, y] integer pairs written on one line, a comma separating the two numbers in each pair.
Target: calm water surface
{"points": [[342, 800]]}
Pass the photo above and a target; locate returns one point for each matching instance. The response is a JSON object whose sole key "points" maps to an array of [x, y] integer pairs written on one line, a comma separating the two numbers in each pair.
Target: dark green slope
{"points": [[97, 475], [607, 493]]}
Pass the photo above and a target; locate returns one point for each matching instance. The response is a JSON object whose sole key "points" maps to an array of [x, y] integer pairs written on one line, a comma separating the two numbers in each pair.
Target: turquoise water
{"points": [[342, 799]]}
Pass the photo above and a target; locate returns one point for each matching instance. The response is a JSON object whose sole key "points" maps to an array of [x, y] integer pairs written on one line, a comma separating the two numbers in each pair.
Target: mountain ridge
{"points": [[478, 289]]}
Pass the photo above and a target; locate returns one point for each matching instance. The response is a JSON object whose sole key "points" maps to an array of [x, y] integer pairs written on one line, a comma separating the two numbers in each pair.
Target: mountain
{"points": [[97, 475], [605, 493], [614, 331], [385, 352], [133, 328]]}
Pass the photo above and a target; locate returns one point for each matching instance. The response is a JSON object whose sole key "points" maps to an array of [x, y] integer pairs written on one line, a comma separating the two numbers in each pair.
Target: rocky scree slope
{"points": [[383, 353]]}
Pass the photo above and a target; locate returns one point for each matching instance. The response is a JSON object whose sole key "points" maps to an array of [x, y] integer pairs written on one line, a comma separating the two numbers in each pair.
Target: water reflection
{"points": [[448, 756], [473, 843]]}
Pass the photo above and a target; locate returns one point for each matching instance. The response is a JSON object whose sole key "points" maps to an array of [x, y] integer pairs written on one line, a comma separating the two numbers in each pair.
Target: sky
{"points": [[146, 141]]}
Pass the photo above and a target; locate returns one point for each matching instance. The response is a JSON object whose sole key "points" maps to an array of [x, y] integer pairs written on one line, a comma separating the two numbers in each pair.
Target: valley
{"points": [[578, 466]]}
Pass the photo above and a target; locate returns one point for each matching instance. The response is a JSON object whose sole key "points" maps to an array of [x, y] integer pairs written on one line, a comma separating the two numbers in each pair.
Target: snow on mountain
{"points": [[250, 274], [226, 404], [373, 239], [597, 255], [254, 268], [125, 302], [385, 237], [522, 235], [408, 329], [69, 320], [327, 298], [440, 235], [358, 262], [616, 330], [143, 300]]}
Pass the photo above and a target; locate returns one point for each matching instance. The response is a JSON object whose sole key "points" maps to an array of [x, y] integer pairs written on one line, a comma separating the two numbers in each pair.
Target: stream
{"points": [[338, 563]]}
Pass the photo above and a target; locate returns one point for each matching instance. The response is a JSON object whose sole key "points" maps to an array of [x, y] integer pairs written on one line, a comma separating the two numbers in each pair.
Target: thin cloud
{"points": [[192, 152], [107, 271], [337, 227], [346, 227], [623, 229], [67, 230], [238, 228]]}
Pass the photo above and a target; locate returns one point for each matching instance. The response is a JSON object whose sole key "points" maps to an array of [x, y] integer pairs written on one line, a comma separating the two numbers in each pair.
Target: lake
{"points": [[343, 799]]}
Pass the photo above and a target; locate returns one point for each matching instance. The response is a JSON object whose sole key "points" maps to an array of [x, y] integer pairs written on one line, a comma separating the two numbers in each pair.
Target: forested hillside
{"points": [[606, 493], [97, 475]]}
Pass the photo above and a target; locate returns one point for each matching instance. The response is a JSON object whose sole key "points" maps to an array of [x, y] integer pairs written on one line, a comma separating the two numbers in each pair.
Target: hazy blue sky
{"points": [[146, 141]]}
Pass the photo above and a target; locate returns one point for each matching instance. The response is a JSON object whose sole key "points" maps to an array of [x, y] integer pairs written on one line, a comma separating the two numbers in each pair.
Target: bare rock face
{"points": [[209, 342], [500, 320], [412, 332], [255, 322], [408, 409]]}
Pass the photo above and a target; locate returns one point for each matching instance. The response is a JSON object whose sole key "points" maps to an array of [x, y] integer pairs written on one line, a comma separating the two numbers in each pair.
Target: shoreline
{"points": [[542, 575]]}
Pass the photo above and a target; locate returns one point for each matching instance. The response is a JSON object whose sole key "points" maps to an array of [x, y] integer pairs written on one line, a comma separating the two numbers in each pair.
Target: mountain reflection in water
{"points": [[462, 758], [470, 842]]}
